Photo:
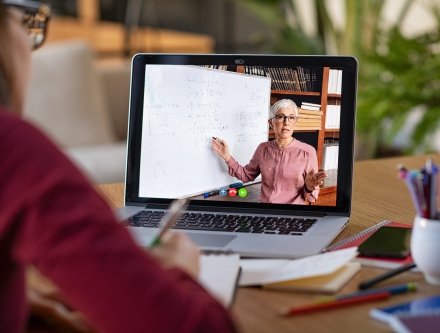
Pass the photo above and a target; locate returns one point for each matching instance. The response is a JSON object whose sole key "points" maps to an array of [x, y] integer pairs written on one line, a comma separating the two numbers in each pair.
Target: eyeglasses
{"points": [[36, 18], [280, 118]]}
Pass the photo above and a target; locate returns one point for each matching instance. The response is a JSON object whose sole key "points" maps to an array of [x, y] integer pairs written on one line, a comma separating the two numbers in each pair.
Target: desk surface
{"points": [[377, 195]]}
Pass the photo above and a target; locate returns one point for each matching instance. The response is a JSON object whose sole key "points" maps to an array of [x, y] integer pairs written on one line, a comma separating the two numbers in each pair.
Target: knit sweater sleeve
{"points": [[51, 217]]}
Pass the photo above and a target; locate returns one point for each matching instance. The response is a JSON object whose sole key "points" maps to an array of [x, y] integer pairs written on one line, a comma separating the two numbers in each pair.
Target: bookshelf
{"points": [[324, 93], [320, 96]]}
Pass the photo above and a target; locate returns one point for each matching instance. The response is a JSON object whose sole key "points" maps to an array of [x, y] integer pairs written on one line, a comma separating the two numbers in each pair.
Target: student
{"points": [[52, 218], [288, 167]]}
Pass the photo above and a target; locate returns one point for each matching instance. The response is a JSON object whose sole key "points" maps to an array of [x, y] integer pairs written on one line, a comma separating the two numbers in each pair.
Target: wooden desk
{"points": [[377, 195]]}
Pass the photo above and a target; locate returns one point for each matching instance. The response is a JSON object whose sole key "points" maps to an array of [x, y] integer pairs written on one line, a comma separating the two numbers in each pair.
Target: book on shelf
{"points": [[308, 128], [330, 154], [360, 237], [312, 112], [321, 273], [219, 274], [334, 81], [332, 116], [300, 79], [310, 106], [308, 122], [309, 116], [417, 307]]}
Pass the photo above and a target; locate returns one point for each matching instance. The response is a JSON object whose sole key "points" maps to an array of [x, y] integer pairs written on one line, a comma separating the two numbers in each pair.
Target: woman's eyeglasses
{"points": [[35, 19], [280, 118]]}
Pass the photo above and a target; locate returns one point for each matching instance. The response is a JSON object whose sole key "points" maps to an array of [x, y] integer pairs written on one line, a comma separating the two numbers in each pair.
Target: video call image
{"points": [[241, 133]]}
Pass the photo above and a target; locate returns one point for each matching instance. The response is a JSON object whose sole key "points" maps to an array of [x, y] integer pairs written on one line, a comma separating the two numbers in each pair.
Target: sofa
{"points": [[82, 104]]}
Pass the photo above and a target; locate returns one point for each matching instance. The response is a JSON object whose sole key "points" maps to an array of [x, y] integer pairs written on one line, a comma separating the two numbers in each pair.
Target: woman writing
{"points": [[52, 218], [288, 167]]}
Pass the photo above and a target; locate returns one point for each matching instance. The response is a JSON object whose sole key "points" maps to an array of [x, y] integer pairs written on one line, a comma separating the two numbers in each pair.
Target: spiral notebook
{"points": [[219, 274], [359, 238]]}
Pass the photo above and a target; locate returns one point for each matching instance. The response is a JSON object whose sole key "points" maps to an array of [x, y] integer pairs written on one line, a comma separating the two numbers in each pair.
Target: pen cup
{"points": [[425, 248]]}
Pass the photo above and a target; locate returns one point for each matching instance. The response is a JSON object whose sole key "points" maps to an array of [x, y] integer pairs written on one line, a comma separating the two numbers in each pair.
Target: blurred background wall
{"points": [[397, 43]]}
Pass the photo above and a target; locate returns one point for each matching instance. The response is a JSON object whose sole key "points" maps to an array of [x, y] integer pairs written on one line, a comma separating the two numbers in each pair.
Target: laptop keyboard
{"points": [[225, 222]]}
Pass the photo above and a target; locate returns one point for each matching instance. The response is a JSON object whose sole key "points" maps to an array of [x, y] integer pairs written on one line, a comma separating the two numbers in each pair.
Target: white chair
{"points": [[83, 106]]}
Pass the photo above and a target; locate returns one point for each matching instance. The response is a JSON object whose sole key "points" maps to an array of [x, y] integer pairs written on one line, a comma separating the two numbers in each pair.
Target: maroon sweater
{"points": [[52, 218]]}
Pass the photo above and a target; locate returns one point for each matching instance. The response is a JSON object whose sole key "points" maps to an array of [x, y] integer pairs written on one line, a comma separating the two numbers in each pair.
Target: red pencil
{"points": [[336, 303]]}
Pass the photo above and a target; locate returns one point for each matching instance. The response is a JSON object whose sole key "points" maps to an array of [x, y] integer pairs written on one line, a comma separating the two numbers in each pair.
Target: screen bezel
{"points": [[349, 68]]}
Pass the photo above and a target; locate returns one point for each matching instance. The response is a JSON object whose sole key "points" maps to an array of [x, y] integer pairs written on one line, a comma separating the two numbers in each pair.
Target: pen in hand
{"points": [[175, 211]]}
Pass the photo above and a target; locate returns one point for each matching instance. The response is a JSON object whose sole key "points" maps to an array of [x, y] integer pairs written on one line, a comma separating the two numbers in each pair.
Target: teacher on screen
{"points": [[287, 166]]}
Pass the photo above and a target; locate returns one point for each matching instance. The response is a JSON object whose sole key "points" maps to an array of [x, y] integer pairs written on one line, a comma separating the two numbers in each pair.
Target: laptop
{"points": [[180, 102]]}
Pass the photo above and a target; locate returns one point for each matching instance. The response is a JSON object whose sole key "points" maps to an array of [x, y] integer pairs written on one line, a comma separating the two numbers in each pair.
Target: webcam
{"points": [[239, 61]]}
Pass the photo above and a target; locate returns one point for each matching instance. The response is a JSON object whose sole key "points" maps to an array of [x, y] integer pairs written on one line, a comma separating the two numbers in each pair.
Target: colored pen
{"points": [[432, 171], [335, 303], [169, 220], [211, 193], [369, 283], [406, 176], [393, 290], [423, 187], [352, 298], [236, 185]]}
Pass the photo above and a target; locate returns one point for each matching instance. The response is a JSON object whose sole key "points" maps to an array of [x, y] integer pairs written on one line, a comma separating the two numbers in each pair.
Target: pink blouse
{"points": [[283, 171]]}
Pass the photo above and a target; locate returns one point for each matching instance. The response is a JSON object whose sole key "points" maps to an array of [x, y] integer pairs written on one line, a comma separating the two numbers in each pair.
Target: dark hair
{"points": [[6, 79]]}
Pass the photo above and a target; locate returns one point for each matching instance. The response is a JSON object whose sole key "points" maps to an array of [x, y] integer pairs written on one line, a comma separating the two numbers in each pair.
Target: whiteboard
{"points": [[184, 107]]}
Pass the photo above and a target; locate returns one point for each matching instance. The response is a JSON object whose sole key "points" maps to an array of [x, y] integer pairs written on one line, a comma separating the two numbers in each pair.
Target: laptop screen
{"points": [[229, 131]]}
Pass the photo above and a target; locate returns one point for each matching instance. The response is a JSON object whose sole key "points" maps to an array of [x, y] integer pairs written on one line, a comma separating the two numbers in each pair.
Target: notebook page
{"points": [[219, 275]]}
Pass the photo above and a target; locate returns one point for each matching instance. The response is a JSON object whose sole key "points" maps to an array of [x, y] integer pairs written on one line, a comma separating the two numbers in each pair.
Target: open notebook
{"points": [[219, 274]]}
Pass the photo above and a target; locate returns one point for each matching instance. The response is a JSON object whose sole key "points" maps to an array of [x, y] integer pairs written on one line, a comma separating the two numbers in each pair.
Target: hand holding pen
{"points": [[221, 148], [175, 211], [175, 249]]}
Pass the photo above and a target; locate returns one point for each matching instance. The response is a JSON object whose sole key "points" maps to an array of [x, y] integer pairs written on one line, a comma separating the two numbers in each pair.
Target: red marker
{"points": [[336, 303]]}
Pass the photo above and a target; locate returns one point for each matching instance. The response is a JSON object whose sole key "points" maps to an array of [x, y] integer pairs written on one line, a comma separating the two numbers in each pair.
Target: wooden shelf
{"points": [[110, 39], [296, 93]]}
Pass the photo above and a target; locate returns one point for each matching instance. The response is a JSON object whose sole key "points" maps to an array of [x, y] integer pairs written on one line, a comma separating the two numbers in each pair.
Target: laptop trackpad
{"points": [[210, 240]]}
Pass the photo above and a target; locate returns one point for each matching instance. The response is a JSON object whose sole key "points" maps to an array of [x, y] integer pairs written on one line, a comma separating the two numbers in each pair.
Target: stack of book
{"points": [[309, 117]]}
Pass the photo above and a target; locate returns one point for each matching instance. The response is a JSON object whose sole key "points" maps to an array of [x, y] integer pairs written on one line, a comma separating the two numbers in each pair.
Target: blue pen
{"points": [[211, 193], [406, 176], [236, 185], [432, 171], [393, 290]]}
